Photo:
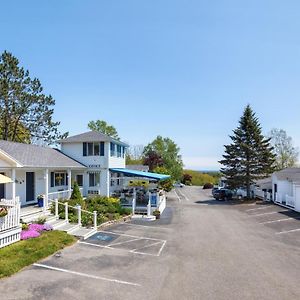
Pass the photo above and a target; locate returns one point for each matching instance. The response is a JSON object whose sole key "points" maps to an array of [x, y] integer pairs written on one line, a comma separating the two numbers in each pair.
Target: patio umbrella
{"points": [[5, 179]]}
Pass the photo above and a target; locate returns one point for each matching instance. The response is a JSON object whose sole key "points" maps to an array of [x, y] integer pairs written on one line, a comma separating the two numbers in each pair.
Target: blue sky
{"points": [[182, 69]]}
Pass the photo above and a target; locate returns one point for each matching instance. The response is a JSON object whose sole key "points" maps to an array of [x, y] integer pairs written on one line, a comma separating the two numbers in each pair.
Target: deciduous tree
{"points": [[169, 153], [103, 127], [283, 148]]}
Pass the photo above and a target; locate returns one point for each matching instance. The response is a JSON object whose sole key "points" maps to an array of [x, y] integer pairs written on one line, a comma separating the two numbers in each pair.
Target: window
{"points": [[119, 154], [58, 179], [79, 179], [90, 149], [96, 149], [101, 148], [84, 149], [112, 149], [94, 179], [93, 149]]}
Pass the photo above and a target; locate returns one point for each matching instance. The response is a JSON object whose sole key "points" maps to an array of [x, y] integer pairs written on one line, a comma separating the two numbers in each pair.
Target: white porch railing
{"points": [[290, 201], [61, 194], [58, 195], [10, 228], [79, 212], [269, 196], [159, 203]]}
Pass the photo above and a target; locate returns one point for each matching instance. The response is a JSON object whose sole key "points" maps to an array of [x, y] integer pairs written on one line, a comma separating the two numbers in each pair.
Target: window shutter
{"points": [[52, 179], [84, 149], [101, 148]]}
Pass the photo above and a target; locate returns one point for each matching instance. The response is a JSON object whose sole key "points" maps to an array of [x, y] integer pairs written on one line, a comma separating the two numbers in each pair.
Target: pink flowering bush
{"points": [[47, 227], [28, 234], [34, 230], [36, 227]]}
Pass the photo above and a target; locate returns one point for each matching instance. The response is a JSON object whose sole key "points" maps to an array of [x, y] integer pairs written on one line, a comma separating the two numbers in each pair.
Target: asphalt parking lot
{"points": [[281, 221], [121, 260], [200, 249]]}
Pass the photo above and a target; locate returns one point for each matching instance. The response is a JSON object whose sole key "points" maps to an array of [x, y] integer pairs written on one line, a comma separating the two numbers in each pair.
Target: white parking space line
{"points": [[288, 231], [280, 220], [99, 246], [133, 239], [85, 275], [118, 249], [268, 213], [177, 196], [258, 208], [183, 195], [147, 246], [144, 226], [120, 243], [133, 236], [161, 249]]}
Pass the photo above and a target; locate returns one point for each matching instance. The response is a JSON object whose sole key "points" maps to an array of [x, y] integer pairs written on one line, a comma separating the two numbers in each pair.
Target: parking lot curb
{"points": [[113, 222]]}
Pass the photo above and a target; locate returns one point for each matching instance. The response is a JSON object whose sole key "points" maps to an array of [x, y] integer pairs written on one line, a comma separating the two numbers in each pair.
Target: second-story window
{"points": [[93, 149], [112, 149], [96, 149], [90, 151]]}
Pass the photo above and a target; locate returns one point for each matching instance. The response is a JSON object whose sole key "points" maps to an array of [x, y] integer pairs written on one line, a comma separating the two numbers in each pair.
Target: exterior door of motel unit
{"points": [[2, 188], [30, 186], [275, 191]]}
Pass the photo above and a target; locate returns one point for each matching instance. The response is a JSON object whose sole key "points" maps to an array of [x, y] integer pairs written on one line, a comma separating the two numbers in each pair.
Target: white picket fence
{"points": [[10, 228]]}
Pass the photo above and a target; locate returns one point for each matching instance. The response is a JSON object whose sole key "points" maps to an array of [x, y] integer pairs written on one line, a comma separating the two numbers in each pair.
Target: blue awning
{"points": [[136, 173]]}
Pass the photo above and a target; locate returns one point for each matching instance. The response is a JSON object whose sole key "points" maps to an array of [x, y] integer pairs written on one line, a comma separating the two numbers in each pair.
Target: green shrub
{"points": [[25, 226], [41, 220], [137, 183], [208, 186], [76, 192], [107, 208], [200, 179]]}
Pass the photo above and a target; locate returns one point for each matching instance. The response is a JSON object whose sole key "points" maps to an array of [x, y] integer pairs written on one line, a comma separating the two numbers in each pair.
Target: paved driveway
{"points": [[200, 249]]}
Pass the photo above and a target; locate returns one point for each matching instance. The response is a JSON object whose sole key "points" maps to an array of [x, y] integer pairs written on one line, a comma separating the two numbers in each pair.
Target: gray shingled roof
{"points": [[91, 136], [37, 156], [292, 174]]}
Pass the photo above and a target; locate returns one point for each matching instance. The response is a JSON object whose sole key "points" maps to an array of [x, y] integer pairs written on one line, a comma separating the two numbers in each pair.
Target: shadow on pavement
{"points": [[225, 202]]}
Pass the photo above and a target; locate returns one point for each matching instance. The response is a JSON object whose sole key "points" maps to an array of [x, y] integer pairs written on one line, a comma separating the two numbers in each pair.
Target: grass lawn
{"points": [[24, 253]]}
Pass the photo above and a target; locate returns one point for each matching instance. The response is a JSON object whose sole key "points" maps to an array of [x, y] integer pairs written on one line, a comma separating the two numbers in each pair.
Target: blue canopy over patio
{"points": [[135, 173]]}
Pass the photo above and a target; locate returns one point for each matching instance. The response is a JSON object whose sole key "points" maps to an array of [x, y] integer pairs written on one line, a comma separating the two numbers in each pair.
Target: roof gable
{"points": [[91, 136], [27, 155]]}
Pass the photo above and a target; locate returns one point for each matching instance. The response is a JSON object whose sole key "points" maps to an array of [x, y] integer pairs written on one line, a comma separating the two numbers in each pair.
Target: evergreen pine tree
{"points": [[25, 111], [76, 192], [249, 157]]}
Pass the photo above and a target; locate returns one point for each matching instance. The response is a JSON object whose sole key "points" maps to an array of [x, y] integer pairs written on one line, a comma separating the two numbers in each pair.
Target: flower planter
{"points": [[156, 213], [40, 202], [3, 212]]}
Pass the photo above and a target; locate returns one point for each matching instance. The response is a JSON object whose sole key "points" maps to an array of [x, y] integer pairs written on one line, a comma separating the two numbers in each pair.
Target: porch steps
{"points": [[33, 215], [140, 211], [84, 233], [57, 224], [69, 228]]}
